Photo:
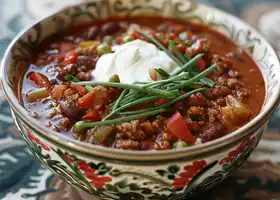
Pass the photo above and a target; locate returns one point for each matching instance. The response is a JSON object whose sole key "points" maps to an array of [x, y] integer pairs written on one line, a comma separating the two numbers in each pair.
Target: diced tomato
{"points": [[39, 80], [80, 89], [172, 36], [201, 64], [179, 105], [92, 115], [178, 127], [65, 47], [70, 58], [161, 101], [87, 101], [134, 34], [58, 91], [181, 48]]}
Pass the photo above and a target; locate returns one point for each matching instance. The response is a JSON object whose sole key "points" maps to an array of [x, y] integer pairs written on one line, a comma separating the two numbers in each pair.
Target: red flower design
{"points": [[69, 160], [95, 180], [237, 151], [189, 173], [36, 140]]}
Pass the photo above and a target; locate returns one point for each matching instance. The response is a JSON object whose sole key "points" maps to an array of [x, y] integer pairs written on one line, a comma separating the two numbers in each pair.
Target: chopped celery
{"points": [[102, 133], [179, 144]]}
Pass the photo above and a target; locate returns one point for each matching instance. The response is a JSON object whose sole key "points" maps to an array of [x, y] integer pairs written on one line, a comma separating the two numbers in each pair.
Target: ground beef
{"points": [[127, 144], [199, 46], [215, 131], [197, 99], [234, 73], [223, 64], [243, 92], [130, 130], [84, 76], [196, 113], [88, 61], [234, 83], [71, 95], [213, 114], [87, 51], [64, 123], [220, 91]]}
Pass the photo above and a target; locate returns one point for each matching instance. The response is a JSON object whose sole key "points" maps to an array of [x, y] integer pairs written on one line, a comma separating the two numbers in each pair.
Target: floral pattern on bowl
{"points": [[111, 179]]}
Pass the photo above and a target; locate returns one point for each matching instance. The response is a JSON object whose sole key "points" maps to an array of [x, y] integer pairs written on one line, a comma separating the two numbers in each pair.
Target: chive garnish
{"points": [[89, 88], [165, 104], [195, 78], [131, 104], [162, 72], [152, 39], [82, 124], [162, 93], [186, 66], [71, 78], [119, 99], [172, 45]]}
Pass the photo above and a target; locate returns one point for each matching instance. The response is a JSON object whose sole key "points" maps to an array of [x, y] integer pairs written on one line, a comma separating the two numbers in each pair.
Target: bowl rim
{"points": [[133, 155]]}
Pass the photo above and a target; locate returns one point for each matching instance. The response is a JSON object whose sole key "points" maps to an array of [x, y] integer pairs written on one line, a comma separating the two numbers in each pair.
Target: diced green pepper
{"points": [[108, 39], [179, 144], [38, 94], [102, 133], [104, 49]]}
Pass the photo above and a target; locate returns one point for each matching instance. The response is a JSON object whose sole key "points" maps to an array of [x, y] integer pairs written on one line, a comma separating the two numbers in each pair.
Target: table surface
{"points": [[23, 177]]}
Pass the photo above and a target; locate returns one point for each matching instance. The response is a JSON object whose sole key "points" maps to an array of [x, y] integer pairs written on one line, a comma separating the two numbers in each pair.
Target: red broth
{"points": [[49, 95]]}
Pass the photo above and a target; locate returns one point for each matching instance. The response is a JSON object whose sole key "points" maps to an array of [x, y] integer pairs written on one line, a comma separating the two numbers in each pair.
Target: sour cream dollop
{"points": [[131, 62]]}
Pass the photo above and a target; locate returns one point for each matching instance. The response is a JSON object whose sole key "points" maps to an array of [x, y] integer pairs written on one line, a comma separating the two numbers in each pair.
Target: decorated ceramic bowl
{"points": [[117, 174]]}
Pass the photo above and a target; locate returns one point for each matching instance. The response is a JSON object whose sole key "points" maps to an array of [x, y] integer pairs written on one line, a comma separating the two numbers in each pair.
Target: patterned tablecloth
{"points": [[23, 177]]}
